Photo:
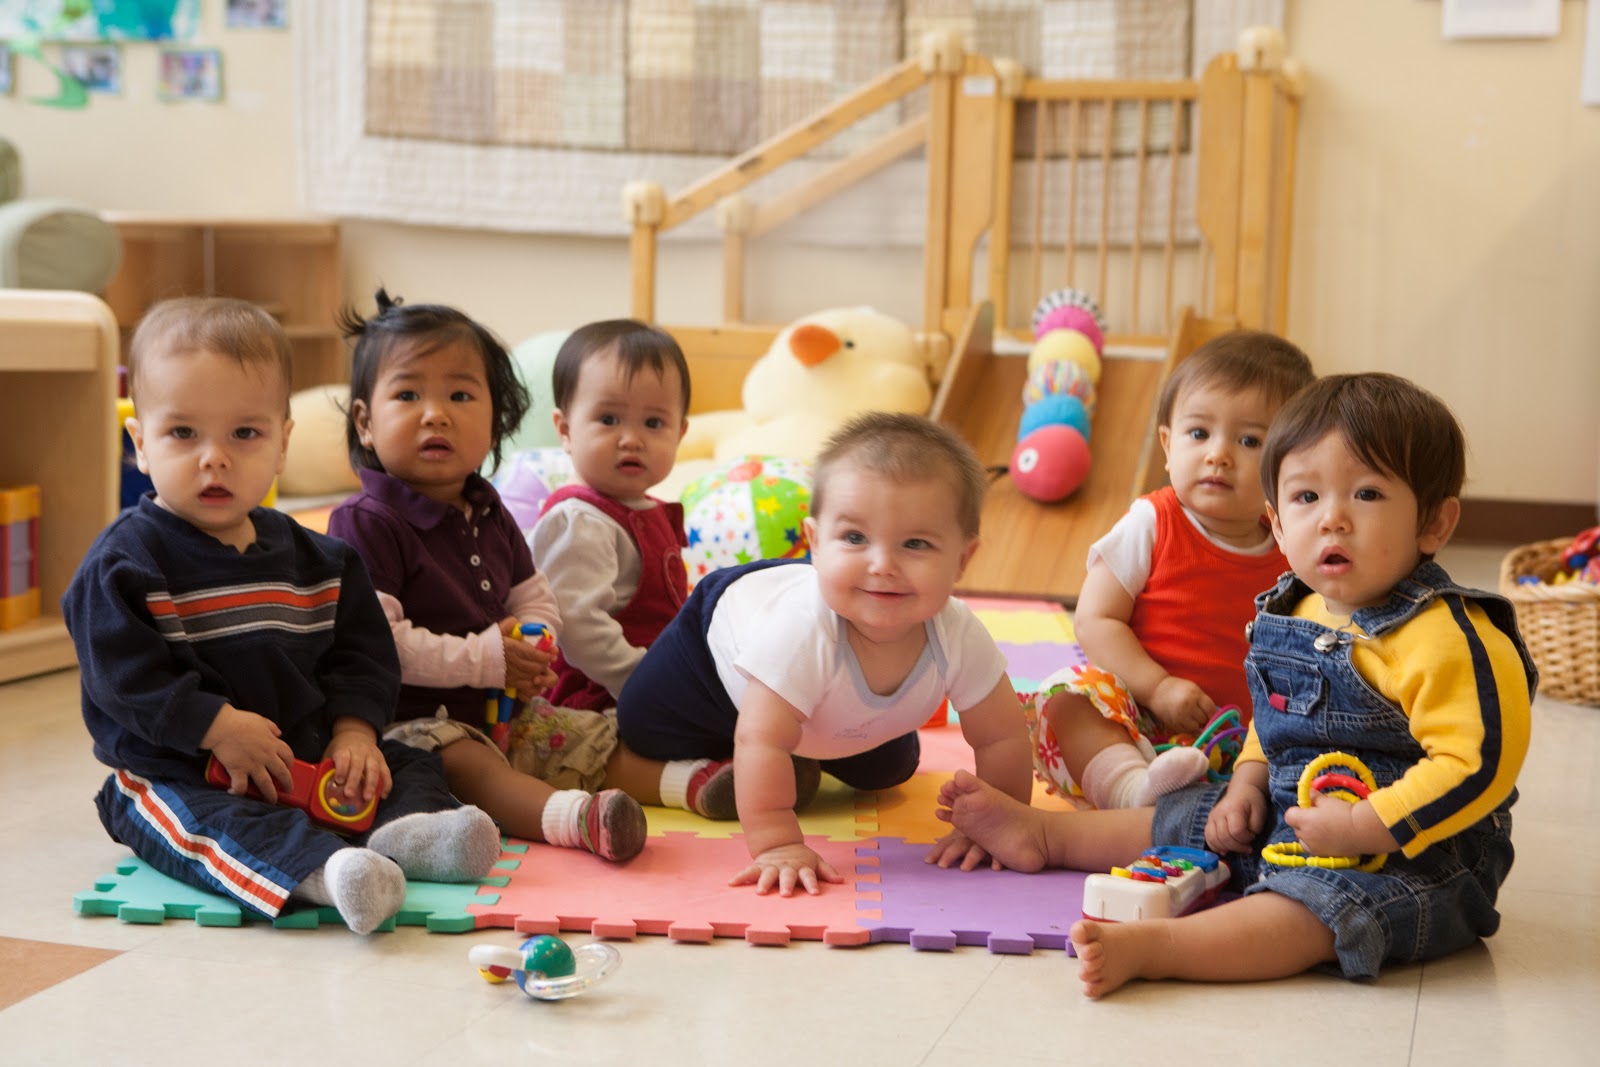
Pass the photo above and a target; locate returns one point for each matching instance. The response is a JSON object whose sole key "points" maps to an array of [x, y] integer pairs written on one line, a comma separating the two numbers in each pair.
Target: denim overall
{"points": [[1309, 700]]}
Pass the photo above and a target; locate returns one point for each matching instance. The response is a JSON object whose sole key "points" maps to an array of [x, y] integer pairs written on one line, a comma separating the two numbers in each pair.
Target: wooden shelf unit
{"points": [[58, 391], [290, 266]]}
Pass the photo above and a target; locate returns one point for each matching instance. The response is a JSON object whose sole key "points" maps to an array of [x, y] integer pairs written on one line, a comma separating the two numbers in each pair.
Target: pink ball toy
{"points": [[1050, 463], [1071, 318]]}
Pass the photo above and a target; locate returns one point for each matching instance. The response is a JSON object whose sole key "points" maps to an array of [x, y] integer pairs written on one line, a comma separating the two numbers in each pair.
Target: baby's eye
{"points": [[460, 396], [1250, 440], [1369, 494], [246, 433], [607, 420], [406, 395], [1304, 496], [183, 433], [854, 537], [655, 422], [918, 544], [1198, 434]]}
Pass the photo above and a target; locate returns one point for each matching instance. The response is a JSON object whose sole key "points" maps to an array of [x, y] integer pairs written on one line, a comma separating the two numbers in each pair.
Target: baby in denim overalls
{"points": [[1369, 649]]}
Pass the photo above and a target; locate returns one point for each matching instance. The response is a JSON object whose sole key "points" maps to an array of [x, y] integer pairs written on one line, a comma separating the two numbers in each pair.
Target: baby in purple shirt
{"points": [[432, 395]]}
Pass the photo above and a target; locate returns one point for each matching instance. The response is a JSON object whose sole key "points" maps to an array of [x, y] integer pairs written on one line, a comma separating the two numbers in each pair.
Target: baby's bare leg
{"points": [[636, 776], [1080, 731], [476, 775], [1260, 937], [1026, 838]]}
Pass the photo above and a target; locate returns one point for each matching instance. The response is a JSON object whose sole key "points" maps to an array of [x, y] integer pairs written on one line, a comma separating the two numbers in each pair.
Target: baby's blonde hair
{"points": [[905, 448], [237, 329]]}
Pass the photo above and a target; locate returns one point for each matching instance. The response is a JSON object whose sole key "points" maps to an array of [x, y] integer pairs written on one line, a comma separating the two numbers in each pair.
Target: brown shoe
{"points": [[612, 825]]}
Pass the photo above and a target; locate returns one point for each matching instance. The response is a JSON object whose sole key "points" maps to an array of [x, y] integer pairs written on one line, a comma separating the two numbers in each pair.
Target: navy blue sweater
{"points": [[170, 623]]}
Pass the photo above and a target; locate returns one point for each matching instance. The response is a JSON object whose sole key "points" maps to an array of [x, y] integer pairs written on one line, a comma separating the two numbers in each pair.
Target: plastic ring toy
{"points": [[1343, 786], [545, 968]]}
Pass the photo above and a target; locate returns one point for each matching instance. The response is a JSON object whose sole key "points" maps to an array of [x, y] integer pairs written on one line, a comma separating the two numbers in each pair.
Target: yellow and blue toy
{"points": [[546, 967], [501, 707], [19, 555], [1163, 883]]}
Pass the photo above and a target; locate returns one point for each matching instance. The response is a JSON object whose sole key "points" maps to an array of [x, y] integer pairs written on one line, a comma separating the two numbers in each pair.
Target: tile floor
{"points": [[179, 994]]}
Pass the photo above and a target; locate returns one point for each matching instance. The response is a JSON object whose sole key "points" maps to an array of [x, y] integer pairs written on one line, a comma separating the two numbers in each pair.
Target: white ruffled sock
{"points": [[675, 781], [1116, 777]]}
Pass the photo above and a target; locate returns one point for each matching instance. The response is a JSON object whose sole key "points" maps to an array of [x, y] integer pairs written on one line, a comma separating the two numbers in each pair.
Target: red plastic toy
{"points": [[313, 792], [501, 707]]}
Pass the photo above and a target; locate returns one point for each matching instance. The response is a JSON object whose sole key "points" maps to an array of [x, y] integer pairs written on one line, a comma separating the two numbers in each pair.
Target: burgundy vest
{"points": [[658, 534]]}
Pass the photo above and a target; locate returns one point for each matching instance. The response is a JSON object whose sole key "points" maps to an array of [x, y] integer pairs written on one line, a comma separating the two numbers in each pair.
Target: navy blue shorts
{"points": [[674, 706]]}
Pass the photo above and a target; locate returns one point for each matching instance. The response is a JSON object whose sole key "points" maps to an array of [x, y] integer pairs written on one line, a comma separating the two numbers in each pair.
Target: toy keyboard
{"points": [[1163, 883]]}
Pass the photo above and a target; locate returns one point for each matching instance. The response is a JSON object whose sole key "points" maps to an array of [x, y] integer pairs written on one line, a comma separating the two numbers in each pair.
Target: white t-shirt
{"points": [[772, 625], [1129, 546]]}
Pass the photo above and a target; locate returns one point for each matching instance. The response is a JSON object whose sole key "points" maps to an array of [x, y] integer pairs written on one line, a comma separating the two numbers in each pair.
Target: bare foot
{"points": [[1111, 954], [1007, 829]]}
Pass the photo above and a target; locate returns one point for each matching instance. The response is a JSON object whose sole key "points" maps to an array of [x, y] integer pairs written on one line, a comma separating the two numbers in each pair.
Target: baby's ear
{"points": [[1438, 527]]}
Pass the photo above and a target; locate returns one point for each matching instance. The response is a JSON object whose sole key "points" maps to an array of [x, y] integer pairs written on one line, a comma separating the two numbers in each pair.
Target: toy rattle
{"points": [[313, 792], [546, 967], [1345, 787], [1221, 741], [501, 707]]}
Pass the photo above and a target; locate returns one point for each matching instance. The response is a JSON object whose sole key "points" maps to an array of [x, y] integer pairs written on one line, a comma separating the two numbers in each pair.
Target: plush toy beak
{"points": [[811, 344]]}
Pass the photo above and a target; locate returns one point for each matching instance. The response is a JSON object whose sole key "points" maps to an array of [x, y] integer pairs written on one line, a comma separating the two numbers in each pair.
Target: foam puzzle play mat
{"points": [[677, 888]]}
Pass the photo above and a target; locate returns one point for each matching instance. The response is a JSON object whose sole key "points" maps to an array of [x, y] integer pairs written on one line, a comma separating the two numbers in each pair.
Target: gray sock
{"points": [[461, 845], [366, 888]]}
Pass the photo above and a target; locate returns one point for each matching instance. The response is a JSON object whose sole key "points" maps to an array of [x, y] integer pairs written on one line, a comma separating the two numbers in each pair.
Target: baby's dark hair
{"points": [[1390, 424], [1236, 361], [434, 325], [637, 346], [237, 329], [905, 448]]}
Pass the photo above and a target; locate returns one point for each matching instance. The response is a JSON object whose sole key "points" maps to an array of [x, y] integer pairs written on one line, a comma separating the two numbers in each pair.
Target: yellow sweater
{"points": [[1425, 668]]}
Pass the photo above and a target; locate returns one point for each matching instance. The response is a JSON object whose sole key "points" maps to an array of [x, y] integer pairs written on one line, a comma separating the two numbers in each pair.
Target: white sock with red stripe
{"points": [[366, 888], [460, 845], [675, 782]]}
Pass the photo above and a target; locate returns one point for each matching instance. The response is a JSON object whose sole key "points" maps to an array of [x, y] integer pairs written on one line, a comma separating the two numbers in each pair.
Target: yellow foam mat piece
{"points": [[1028, 627], [834, 815]]}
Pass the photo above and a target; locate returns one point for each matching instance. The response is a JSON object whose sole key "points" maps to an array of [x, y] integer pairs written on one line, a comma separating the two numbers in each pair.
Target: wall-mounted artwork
{"points": [[98, 66], [102, 20], [191, 74], [258, 14], [5, 71]]}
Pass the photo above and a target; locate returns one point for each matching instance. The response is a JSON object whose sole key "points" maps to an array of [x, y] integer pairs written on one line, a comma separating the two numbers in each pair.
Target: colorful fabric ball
{"points": [[1059, 378], [1059, 345], [526, 478], [1068, 298], [751, 509], [1071, 318], [1050, 463], [1059, 410]]}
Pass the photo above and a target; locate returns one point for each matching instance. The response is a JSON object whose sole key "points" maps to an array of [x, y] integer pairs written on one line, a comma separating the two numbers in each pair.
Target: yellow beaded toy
{"points": [[1352, 789]]}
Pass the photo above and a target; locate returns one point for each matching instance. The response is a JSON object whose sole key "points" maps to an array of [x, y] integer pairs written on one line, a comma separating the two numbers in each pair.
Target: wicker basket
{"points": [[1560, 623]]}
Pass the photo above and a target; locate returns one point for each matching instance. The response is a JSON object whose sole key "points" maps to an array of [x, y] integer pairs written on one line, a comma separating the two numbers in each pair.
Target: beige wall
{"points": [[1447, 221]]}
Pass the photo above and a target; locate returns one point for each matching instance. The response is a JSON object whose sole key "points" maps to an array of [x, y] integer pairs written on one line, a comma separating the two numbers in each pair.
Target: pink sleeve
{"points": [[532, 600], [443, 661]]}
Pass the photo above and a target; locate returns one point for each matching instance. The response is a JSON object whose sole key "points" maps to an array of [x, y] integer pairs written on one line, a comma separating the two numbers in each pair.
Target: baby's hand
{"points": [[359, 768], [1236, 820], [1181, 706], [250, 749], [783, 867], [527, 665], [955, 846]]}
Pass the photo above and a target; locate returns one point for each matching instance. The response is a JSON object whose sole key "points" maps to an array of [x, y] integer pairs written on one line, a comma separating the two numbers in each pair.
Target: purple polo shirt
{"points": [[451, 574]]}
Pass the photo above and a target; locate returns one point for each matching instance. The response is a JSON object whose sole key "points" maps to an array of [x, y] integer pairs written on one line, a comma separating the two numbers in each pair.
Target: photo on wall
{"points": [[191, 74], [5, 71], [97, 66], [258, 14]]}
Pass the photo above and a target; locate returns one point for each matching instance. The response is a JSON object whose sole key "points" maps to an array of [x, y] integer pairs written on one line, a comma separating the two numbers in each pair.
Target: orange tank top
{"points": [[1190, 616]]}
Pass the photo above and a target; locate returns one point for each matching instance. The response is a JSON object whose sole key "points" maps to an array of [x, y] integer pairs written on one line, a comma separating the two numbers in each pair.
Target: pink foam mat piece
{"points": [[934, 908], [677, 887]]}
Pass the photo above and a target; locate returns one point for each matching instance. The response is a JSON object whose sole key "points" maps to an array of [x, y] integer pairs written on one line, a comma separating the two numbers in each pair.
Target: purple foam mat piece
{"points": [[937, 909]]}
